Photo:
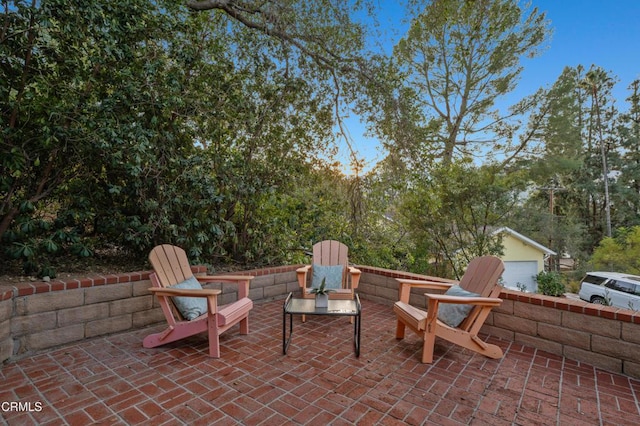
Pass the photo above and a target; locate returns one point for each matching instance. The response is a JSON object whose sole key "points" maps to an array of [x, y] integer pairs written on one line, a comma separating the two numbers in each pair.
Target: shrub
{"points": [[550, 283]]}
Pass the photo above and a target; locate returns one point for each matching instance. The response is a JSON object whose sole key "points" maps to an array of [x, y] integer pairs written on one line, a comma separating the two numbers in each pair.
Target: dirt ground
{"points": [[72, 267]]}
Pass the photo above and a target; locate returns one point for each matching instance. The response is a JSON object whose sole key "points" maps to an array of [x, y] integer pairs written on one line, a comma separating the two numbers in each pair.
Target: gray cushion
{"points": [[453, 314], [333, 275], [190, 307]]}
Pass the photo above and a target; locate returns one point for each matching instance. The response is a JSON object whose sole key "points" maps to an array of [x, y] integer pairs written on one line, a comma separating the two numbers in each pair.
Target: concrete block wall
{"points": [[41, 315], [603, 336], [37, 316]]}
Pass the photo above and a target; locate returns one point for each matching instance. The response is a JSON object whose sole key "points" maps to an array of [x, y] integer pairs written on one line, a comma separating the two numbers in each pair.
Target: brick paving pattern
{"points": [[114, 381]]}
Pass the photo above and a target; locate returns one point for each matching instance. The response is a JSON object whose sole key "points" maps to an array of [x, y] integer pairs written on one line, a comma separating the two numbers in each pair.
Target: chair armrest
{"points": [[302, 273], [405, 285], [210, 294], [224, 278], [355, 274], [173, 292], [241, 280], [479, 301], [434, 284]]}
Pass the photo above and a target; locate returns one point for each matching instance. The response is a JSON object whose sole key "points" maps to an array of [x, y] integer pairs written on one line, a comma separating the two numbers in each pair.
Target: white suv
{"points": [[611, 288]]}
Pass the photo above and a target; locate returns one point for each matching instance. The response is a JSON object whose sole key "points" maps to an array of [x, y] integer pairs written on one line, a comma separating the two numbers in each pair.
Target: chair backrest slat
{"points": [[170, 264], [332, 253], [482, 275]]}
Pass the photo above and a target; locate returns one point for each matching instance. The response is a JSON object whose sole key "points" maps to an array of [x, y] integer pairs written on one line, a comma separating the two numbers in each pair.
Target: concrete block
{"points": [[275, 290], [615, 348], [262, 281], [140, 288], [387, 293], [29, 324], [107, 293], [254, 294], [378, 280], [604, 362], [631, 332], [108, 325], [5, 329], [82, 314], [284, 278], [6, 309], [498, 332], [539, 343], [148, 317], [366, 288], [55, 337], [293, 287], [631, 369], [506, 307], [590, 324], [537, 313], [562, 335], [517, 324], [6, 349], [52, 301], [130, 305]]}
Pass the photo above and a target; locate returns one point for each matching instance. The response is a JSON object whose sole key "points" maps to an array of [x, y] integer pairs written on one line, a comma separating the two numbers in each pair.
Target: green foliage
{"points": [[322, 290], [550, 283], [457, 58], [452, 214], [130, 123], [620, 253]]}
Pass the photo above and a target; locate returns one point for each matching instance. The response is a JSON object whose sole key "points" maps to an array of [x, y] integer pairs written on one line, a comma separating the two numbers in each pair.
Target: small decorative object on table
{"points": [[322, 295]]}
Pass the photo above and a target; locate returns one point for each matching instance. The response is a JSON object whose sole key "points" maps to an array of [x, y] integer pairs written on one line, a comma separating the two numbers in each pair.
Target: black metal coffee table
{"points": [[345, 308]]}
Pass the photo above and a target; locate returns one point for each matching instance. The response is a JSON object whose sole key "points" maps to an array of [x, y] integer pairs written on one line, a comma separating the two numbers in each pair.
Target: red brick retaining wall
{"points": [[37, 316]]}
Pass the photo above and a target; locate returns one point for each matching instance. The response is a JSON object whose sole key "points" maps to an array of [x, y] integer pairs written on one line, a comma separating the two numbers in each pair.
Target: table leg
{"points": [[286, 340], [356, 335]]}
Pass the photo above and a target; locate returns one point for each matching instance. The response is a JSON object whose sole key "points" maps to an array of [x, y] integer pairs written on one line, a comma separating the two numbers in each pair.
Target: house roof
{"points": [[524, 239]]}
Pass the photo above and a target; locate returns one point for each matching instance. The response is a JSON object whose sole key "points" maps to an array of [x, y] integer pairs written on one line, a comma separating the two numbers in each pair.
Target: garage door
{"points": [[519, 274]]}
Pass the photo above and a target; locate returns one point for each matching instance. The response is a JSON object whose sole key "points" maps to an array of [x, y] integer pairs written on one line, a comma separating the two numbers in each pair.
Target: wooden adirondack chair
{"points": [[327, 255], [481, 278], [171, 267]]}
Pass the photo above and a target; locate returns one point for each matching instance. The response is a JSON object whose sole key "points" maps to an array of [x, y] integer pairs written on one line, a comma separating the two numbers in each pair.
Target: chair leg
{"points": [[244, 326], [214, 342], [400, 327], [427, 347]]}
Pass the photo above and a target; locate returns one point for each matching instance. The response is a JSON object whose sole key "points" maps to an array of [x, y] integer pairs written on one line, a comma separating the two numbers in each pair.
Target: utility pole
{"points": [[552, 189]]}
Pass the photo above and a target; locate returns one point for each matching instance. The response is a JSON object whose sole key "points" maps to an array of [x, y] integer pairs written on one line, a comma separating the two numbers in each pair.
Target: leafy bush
{"points": [[550, 283]]}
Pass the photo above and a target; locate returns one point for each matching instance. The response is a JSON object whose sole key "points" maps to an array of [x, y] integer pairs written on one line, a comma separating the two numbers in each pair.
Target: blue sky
{"points": [[585, 32]]}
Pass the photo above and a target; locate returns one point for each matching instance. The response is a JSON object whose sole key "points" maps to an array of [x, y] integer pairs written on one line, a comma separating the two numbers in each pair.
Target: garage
{"points": [[520, 273]]}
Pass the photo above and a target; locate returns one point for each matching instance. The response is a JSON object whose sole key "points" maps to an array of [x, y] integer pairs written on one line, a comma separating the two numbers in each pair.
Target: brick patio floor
{"points": [[113, 380]]}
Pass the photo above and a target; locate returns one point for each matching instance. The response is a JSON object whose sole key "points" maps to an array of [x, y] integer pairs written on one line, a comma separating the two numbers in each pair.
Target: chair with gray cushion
{"points": [[190, 309], [459, 313], [331, 262]]}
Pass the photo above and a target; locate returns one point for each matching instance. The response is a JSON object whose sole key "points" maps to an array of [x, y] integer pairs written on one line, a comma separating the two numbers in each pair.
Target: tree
{"points": [[130, 123], [594, 80], [452, 215], [61, 59], [620, 253], [320, 40], [457, 59], [555, 159], [629, 179]]}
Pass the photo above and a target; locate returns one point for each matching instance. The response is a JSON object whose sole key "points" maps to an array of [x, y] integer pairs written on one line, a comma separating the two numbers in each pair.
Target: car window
{"points": [[621, 286], [593, 280]]}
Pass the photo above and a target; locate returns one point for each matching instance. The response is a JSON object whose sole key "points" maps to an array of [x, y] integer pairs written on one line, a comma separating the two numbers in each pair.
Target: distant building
{"points": [[523, 259]]}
